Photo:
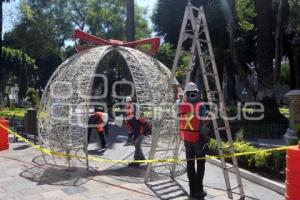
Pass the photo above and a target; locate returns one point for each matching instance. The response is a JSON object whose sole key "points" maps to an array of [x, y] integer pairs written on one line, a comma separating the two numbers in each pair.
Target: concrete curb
{"points": [[272, 185]]}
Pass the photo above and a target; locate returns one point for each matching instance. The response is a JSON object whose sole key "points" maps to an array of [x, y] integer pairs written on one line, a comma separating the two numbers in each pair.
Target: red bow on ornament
{"points": [[94, 41]]}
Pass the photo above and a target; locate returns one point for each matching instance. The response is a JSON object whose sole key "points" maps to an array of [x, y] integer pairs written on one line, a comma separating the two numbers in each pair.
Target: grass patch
{"points": [[9, 112]]}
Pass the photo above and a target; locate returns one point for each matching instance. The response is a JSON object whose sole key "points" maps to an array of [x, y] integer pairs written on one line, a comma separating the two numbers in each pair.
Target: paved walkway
{"points": [[25, 175]]}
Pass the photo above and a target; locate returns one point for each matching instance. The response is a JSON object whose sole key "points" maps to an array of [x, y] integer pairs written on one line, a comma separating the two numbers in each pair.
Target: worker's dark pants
{"points": [[138, 153], [101, 136], [137, 138], [193, 151], [129, 139]]}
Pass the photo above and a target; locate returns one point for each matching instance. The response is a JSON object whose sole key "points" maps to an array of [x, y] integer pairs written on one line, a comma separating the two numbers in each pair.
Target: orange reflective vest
{"points": [[129, 110], [189, 121], [100, 125]]}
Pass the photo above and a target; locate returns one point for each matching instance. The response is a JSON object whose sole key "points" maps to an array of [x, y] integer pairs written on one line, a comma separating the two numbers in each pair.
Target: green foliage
{"points": [[271, 162], [260, 159], [293, 22], [107, 19], [239, 136], [245, 13], [18, 64], [241, 147], [33, 98], [41, 31], [142, 29], [284, 74], [285, 112], [14, 59], [9, 112], [166, 54], [168, 14]]}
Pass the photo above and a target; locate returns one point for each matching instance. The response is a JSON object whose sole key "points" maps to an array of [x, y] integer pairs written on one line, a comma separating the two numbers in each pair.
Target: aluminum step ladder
{"points": [[195, 29]]}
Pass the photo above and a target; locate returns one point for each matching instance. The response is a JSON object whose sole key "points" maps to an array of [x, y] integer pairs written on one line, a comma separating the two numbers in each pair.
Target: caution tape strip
{"points": [[172, 160]]}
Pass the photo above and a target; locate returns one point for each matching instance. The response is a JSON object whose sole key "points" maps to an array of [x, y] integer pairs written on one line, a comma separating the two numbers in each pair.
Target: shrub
{"points": [[242, 147], [271, 162], [260, 160], [33, 97], [298, 130]]}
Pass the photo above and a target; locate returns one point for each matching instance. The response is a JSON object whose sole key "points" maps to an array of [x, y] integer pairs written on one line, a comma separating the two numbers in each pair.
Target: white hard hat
{"points": [[190, 87], [128, 99]]}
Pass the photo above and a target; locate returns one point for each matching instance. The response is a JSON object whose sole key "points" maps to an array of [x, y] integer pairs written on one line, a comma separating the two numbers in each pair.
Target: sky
{"points": [[10, 14]]}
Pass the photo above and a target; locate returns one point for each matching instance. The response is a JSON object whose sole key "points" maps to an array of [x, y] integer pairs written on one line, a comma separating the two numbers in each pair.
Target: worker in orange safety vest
{"points": [[98, 121], [192, 122], [129, 114]]}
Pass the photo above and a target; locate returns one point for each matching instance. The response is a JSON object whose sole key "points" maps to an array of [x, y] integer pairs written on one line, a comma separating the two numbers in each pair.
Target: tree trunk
{"points": [[264, 54], [278, 39], [130, 22], [231, 20], [296, 44], [1, 24]]}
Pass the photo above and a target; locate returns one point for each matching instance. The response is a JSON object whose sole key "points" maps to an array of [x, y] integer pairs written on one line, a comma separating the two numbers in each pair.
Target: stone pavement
{"points": [[25, 175]]}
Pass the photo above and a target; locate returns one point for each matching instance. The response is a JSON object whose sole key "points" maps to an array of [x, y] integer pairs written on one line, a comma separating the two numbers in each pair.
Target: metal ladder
{"points": [[195, 29]]}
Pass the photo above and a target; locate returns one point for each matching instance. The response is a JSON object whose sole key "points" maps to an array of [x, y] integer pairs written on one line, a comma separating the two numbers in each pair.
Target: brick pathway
{"points": [[24, 175]]}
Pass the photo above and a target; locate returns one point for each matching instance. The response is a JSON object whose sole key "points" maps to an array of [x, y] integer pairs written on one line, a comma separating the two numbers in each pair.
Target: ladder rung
{"points": [[188, 69], [185, 51], [224, 128], [209, 74], [230, 168], [163, 165], [205, 56], [233, 188], [225, 147], [162, 150], [189, 35], [198, 21], [195, 8], [212, 92], [205, 41]]}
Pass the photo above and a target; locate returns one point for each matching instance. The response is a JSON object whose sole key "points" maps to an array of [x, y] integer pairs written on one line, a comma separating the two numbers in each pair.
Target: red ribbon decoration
{"points": [[154, 42]]}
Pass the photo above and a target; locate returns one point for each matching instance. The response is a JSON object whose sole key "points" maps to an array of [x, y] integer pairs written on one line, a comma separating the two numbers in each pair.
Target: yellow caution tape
{"points": [[171, 160]]}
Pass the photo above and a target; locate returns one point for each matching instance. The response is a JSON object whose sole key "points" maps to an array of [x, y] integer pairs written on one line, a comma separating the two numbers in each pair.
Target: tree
{"points": [[107, 19], [167, 18], [1, 24], [16, 63], [78, 12], [130, 22], [264, 54], [283, 4], [41, 33], [229, 10]]}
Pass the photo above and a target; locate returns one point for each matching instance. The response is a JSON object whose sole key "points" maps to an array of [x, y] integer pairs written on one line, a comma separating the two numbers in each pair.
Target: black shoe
{"points": [[133, 164], [193, 197], [104, 148], [127, 144], [201, 195]]}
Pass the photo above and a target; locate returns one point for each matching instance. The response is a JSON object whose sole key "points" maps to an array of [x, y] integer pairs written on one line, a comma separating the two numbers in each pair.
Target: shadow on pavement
{"points": [[22, 147], [168, 189], [44, 175]]}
